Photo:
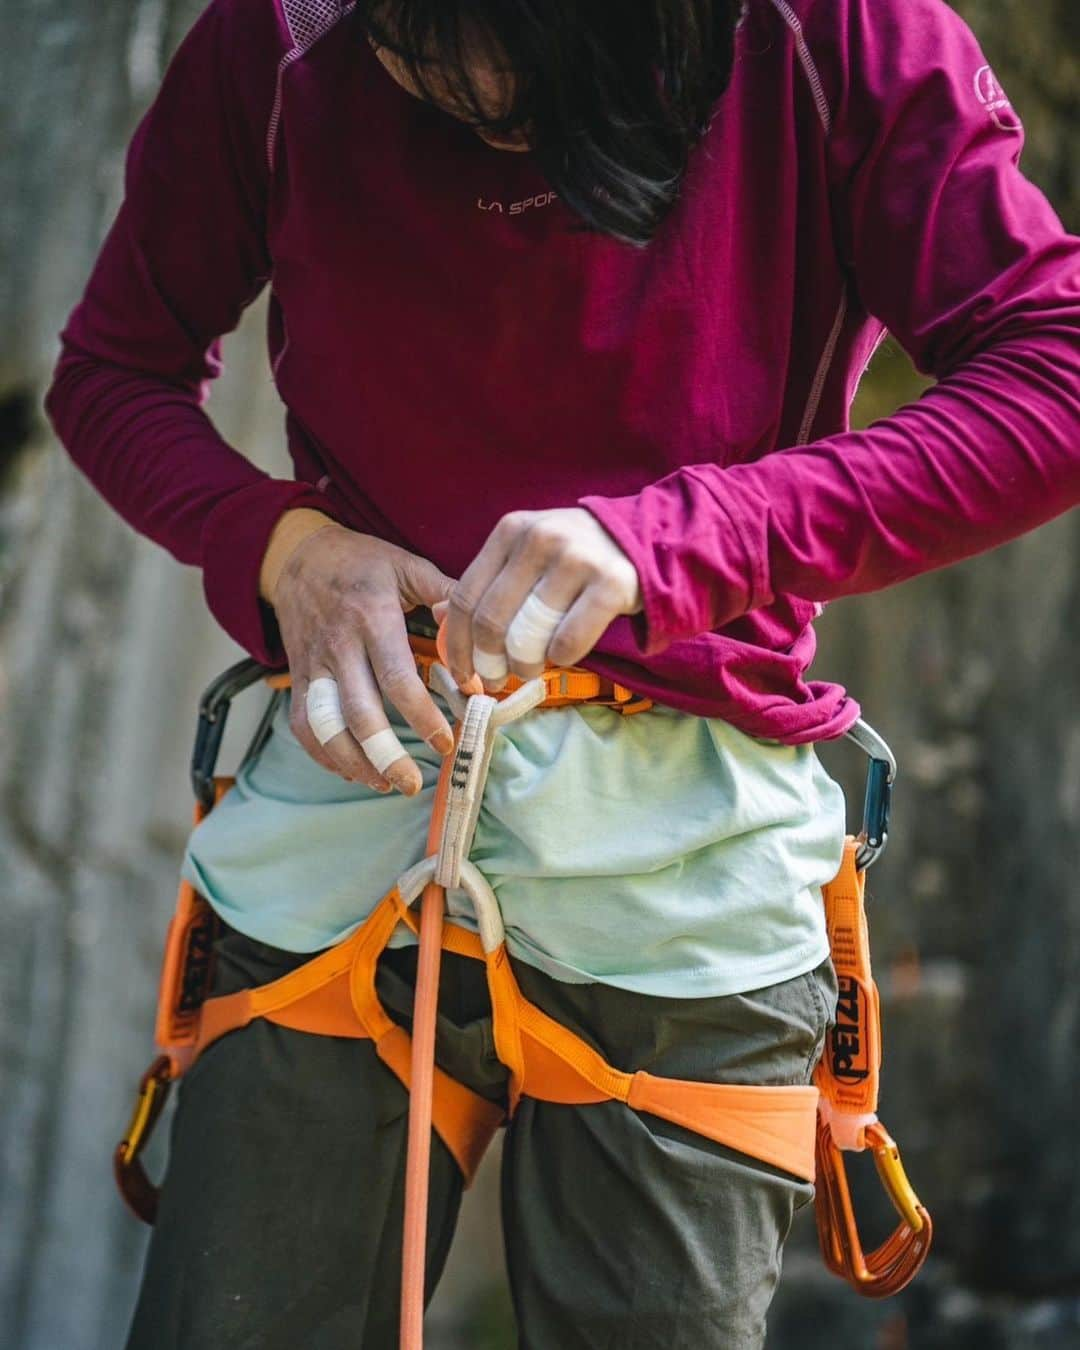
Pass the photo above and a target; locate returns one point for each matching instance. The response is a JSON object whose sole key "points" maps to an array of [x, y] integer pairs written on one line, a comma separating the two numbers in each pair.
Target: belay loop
{"points": [[804, 1129]]}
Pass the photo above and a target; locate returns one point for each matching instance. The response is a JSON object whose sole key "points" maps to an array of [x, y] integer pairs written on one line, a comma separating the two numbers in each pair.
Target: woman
{"points": [[568, 304]]}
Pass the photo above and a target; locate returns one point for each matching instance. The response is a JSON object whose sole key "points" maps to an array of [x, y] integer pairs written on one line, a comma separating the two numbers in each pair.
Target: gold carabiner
{"points": [[135, 1186], [893, 1177]]}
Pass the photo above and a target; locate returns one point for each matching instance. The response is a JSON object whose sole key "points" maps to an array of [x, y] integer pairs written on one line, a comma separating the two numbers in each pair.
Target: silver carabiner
{"points": [[877, 803]]}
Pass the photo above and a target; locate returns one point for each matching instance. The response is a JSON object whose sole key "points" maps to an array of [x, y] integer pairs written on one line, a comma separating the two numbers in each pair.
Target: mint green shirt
{"points": [[663, 853]]}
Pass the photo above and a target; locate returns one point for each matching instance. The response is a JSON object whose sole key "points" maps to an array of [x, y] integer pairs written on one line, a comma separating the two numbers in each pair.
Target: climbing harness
{"points": [[802, 1129]]}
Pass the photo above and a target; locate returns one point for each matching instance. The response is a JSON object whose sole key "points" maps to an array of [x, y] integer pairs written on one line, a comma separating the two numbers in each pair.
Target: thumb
{"points": [[421, 582]]}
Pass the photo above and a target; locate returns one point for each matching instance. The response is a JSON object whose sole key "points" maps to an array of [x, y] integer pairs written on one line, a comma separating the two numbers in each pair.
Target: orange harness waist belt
{"points": [[797, 1128]]}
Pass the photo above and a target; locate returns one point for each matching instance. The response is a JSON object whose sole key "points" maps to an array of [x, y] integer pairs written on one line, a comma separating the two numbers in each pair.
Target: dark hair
{"points": [[613, 94]]}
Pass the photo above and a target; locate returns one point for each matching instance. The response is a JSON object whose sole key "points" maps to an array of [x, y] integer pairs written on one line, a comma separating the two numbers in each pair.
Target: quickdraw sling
{"points": [[801, 1129]]}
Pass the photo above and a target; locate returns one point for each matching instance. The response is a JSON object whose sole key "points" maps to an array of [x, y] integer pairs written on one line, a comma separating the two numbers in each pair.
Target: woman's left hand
{"points": [[565, 569]]}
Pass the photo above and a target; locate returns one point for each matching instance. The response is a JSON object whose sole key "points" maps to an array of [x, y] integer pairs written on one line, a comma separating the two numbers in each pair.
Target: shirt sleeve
{"points": [[963, 259], [185, 255]]}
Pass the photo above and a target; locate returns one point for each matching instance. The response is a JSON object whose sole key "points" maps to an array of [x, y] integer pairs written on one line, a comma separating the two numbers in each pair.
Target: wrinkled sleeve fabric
{"points": [[185, 255], [963, 259]]}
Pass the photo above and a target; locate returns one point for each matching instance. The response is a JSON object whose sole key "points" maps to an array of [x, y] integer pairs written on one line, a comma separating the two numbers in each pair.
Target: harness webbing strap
{"points": [[562, 685], [334, 995], [775, 1124], [549, 1062]]}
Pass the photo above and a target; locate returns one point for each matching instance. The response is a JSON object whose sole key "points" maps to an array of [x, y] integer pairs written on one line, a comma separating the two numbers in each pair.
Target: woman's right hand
{"points": [[340, 599]]}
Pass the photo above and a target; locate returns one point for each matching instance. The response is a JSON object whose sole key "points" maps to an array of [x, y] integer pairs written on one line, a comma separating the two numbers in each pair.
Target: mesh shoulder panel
{"points": [[308, 20]]}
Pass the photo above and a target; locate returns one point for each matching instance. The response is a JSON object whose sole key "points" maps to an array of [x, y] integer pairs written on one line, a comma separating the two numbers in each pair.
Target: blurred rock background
{"points": [[972, 674]]}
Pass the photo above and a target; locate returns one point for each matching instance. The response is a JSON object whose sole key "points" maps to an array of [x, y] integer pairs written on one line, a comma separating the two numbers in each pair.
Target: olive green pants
{"points": [[280, 1219]]}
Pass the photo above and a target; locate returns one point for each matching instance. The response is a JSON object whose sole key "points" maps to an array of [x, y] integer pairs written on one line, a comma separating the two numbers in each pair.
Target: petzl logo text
{"points": [[848, 1039]]}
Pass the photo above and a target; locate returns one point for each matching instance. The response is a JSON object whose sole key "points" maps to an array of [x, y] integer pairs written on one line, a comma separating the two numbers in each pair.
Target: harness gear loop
{"points": [[800, 1128]]}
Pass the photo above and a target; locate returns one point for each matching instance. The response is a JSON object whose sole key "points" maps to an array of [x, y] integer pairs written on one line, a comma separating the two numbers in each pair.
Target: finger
{"points": [[420, 582], [492, 667], [528, 640], [323, 708], [341, 754], [345, 747], [394, 667], [499, 607], [470, 589], [370, 732], [585, 623], [299, 726], [507, 623]]}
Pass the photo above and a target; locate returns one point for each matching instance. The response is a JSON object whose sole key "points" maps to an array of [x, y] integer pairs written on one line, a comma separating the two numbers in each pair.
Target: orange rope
{"points": [[421, 1077]]}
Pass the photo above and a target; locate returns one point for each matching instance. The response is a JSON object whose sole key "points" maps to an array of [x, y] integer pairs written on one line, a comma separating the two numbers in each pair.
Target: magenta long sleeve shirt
{"points": [[449, 350]]}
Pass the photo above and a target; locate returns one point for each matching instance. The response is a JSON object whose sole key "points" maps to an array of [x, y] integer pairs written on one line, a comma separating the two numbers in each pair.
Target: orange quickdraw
{"points": [[848, 1078]]}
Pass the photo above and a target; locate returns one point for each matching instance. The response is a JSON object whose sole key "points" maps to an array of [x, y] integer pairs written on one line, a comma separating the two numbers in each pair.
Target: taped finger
{"points": [[532, 629], [383, 748], [323, 708], [490, 665]]}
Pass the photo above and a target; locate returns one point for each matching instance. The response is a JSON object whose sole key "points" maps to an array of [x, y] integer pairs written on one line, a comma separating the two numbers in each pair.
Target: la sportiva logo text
{"points": [[516, 208]]}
